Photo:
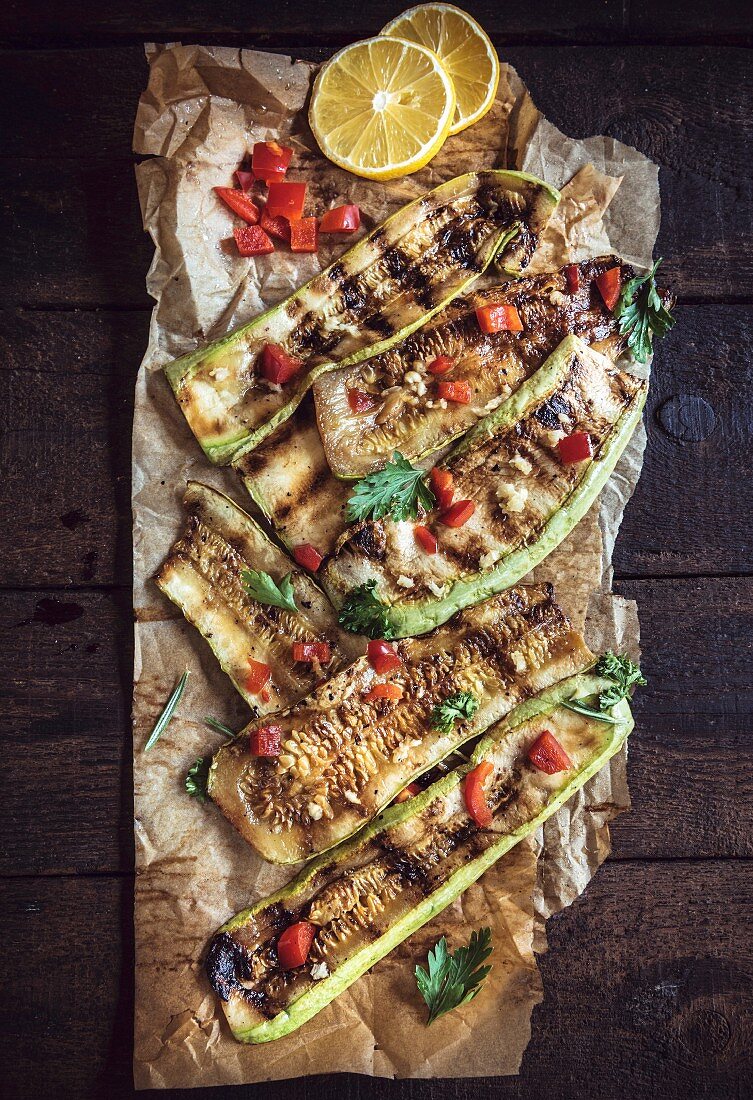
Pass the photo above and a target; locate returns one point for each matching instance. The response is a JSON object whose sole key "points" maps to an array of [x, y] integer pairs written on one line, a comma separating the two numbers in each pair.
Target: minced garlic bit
{"points": [[512, 496], [557, 298], [319, 971], [518, 661], [552, 437], [405, 582], [437, 589], [489, 559], [521, 463], [412, 377], [314, 811]]}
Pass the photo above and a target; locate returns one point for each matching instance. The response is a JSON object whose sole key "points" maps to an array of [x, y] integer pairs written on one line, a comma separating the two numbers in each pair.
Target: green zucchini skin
{"points": [[521, 514], [408, 414], [345, 757], [386, 286], [393, 861], [202, 576]]}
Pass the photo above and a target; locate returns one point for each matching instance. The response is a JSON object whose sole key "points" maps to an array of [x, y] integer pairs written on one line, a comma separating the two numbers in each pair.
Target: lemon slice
{"points": [[464, 50], [382, 107]]}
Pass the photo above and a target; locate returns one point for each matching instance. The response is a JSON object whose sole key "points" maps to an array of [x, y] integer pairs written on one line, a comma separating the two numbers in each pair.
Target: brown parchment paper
{"points": [[202, 109]]}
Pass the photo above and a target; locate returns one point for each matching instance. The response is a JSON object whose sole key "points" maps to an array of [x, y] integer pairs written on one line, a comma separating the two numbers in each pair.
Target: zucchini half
{"points": [[408, 414], [379, 291], [202, 575], [376, 889], [526, 499], [345, 757]]}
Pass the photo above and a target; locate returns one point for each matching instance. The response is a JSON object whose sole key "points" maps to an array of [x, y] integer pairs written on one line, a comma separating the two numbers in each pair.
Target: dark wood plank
{"points": [[74, 234], [67, 804], [63, 370], [630, 1008]]}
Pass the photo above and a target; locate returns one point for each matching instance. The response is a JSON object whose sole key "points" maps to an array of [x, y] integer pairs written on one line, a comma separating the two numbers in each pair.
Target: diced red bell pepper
{"points": [[308, 556], [572, 278], [459, 392], [425, 539], [239, 203], [474, 794], [384, 691], [286, 199], [252, 241], [277, 366], [382, 657], [266, 741], [270, 160], [441, 364], [547, 754], [258, 676], [308, 652], [609, 286], [294, 944], [360, 401], [458, 514], [342, 219], [410, 792], [276, 227], [304, 234], [265, 695], [442, 485], [575, 448], [499, 318], [244, 179]]}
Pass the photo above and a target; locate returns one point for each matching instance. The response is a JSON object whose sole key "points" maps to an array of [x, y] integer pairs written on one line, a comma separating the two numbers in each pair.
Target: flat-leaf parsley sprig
{"points": [[454, 980], [459, 707], [399, 490], [623, 673], [262, 588], [641, 314], [363, 612]]}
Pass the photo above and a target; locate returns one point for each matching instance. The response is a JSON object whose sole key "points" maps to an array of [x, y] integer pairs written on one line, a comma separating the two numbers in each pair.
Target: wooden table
{"points": [[649, 977]]}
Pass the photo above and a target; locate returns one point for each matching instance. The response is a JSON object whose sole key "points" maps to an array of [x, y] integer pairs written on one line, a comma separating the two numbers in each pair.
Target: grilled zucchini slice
{"points": [[202, 575], [345, 757], [384, 287], [375, 890], [408, 415], [526, 499]]}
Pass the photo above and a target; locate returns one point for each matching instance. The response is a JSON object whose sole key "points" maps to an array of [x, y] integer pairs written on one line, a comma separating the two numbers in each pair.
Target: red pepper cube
{"points": [[572, 278], [276, 227], [252, 241], [266, 741], [384, 691], [474, 794], [410, 792], [459, 392], [360, 401], [286, 199], [270, 160], [304, 235], [277, 366], [258, 676], [458, 514], [308, 652], [575, 448], [442, 485], [342, 219], [307, 556], [441, 364], [239, 203], [382, 657], [294, 944], [245, 180], [609, 286], [425, 539], [499, 318], [547, 754]]}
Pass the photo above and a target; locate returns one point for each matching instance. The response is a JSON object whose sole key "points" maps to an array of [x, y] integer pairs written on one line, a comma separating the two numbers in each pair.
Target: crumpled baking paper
{"points": [[202, 109]]}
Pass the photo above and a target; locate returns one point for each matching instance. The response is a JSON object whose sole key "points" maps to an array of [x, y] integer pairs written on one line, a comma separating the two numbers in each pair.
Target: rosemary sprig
{"points": [[164, 719]]}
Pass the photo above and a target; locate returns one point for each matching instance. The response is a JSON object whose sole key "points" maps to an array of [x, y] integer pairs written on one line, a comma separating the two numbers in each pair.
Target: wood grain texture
{"points": [[68, 658], [648, 992]]}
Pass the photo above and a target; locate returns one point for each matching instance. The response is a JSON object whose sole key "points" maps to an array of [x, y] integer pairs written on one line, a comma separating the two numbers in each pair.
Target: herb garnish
{"points": [[263, 589], [397, 490], [454, 980], [641, 313], [216, 724], [364, 613], [456, 708], [164, 719], [624, 674], [198, 777]]}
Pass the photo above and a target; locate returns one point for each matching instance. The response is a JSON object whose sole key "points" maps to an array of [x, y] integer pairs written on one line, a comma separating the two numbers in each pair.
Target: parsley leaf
{"points": [[198, 777], [164, 719], [642, 315], [454, 980], [456, 708], [623, 673], [263, 589], [397, 491], [364, 613]]}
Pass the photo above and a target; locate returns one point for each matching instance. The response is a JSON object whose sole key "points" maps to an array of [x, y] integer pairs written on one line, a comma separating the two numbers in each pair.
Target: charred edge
{"points": [[312, 340], [227, 968], [548, 414], [353, 295], [457, 242], [408, 271], [336, 272], [369, 539], [381, 325]]}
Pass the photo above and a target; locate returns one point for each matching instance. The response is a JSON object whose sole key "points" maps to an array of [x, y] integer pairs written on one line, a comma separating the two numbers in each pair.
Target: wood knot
{"points": [[701, 1032], [686, 417]]}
